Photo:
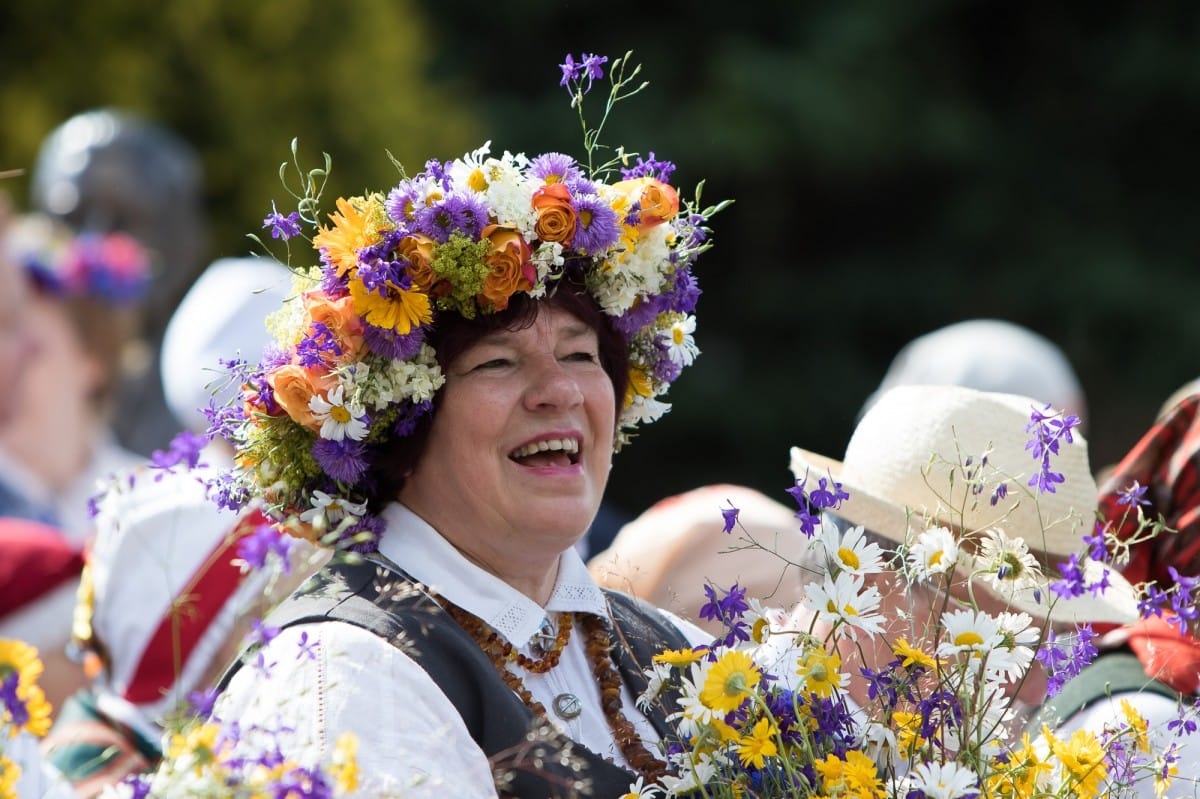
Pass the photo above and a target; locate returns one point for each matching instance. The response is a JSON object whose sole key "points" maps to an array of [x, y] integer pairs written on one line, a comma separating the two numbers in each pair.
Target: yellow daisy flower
{"points": [[911, 657], [679, 658], [21, 659], [758, 744], [821, 670], [1082, 759], [10, 772], [855, 776], [729, 682], [400, 311], [1138, 724], [345, 763], [908, 729], [356, 225]]}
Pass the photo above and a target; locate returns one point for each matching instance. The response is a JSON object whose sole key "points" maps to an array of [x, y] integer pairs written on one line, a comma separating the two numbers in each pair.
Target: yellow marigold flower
{"points": [[640, 385], [758, 744], [821, 670], [1018, 777], [1138, 724], [400, 311], [345, 763], [679, 658], [855, 776], [729, 682], [910, 656], [355, 225], [1082, 759]]}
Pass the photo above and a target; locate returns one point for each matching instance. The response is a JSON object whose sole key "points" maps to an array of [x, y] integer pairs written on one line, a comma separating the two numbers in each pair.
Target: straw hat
{"points": [[908, 465]]}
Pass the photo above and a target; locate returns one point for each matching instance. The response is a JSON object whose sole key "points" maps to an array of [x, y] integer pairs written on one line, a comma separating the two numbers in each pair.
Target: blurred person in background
{"points": [[166, 600], [56, 443], [988, 355], [112, 170]]}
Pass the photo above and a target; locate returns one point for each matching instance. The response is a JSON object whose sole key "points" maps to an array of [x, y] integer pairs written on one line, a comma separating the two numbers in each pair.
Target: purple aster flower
{"points": [[555, 168], [402, 201], [333, 285], [684, 293], [282, 227], [463, 214], [344, 461], [650, 168], [730, 515], [362, 536], [638, 317], [596, 227], [184, 448], [255, 548], [392, 345]]}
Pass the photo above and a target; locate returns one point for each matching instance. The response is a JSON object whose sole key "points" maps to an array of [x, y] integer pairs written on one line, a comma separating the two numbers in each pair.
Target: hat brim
{"points": [[862, 507]]}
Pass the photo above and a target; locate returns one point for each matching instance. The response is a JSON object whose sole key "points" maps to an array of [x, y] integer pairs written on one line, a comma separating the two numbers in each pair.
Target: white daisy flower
{"points": [[330, 509], [339, 419], [970, 631], [1006, 563], [681, 346], [850, 552], [843, 598], [1011, 659], [934, 552], [943, 780]]}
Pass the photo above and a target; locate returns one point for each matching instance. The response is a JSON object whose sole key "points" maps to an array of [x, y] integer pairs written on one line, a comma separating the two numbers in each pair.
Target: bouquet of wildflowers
{"points": [[23, 705], [789, 705]]}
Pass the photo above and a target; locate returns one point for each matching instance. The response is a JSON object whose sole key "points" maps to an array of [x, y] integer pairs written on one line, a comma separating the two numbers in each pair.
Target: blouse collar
{"points": [[410, 542]]}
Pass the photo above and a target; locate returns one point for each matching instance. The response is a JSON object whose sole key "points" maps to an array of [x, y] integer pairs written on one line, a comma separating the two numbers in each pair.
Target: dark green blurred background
{"points": [[896, 166]]}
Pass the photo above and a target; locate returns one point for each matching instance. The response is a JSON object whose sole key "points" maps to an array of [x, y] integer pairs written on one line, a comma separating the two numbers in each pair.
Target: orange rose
{"points": [[294, 386], [339, 317], [418, 251], [556, 216], [509, 267], [658, 201]]}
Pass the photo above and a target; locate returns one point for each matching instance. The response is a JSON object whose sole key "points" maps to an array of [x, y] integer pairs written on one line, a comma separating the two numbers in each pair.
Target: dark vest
{"points": [[529, 760]]}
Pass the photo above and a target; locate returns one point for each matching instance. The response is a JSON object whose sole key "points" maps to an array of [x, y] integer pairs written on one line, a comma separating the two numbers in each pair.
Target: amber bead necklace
{"points": [[599, 649]]}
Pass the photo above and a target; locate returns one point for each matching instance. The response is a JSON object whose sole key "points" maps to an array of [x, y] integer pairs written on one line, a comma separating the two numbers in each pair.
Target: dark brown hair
{"points": [[453, 334]]}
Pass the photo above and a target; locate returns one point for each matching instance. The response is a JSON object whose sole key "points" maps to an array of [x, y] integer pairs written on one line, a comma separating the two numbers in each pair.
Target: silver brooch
{"points": [[567, 706]]}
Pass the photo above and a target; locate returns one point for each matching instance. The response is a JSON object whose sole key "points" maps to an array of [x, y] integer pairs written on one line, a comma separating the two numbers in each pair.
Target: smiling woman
{"points": [[451, 384]]}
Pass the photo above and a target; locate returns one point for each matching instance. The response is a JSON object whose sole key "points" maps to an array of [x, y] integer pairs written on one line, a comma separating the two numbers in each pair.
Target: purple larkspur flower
{"points": [[407, 421], [261, 633], [1063, 661], [596, 227], [18, 713], [392, 345], [256, 547], [343, 460], [1073, 583], [1050, 432], [466, 215], [201, 702], [649, 168], [555, 168], [683, 293], [589, 66], [227, 492], [185, 448], [318, 347], [998, 494], [308, 649], [281, 226], [730, 517], [728, 610], [1134, 494]]}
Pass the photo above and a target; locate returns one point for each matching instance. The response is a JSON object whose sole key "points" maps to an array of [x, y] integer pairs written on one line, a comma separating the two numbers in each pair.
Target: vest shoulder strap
{"points": [[1115, 672]]}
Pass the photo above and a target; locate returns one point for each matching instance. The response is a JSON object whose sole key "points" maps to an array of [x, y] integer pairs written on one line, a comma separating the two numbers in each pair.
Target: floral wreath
{"points": [[353, 369], [111, 267]]}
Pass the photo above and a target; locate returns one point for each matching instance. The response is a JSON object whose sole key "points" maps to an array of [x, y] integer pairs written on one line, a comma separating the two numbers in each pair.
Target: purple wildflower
{"points": [[998, 493], [730, 515], [1135, 494], [589, 66], [392, 345], [201, 703], [1184, 722], [343, 460], [466, 216], [184, 448], [308, 649], [1062, 662], [319, 347], [227, 492], [728, 611], [261, 633], [362, 536], [282, 227], [684, 292], [1073, 582], [407, 422], [13, 704], [650, 168], [1049, 433], [255, 548], [596, 224], [555, 168]]}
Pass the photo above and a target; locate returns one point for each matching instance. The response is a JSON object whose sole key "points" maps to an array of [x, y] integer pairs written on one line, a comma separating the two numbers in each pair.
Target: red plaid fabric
{"points": [[1167, 461]]}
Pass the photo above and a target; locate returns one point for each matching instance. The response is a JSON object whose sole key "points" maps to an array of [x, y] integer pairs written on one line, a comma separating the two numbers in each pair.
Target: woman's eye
{"points": [[583, 357], [493, 363]]}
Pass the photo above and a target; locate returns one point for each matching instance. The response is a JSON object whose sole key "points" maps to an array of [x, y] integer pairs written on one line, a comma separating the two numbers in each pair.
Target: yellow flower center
{"points": [[477, 181], [339, 414], [935, 558], [848, 557], [678, 336], [969, 638]]}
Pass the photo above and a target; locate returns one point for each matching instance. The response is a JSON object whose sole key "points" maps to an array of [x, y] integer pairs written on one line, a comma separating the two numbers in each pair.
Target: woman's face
{"points": [[521, 444]]}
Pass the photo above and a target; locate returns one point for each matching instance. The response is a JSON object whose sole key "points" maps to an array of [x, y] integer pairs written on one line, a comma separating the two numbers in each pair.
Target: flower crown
{"points": [[354, 369], [111, 267]]}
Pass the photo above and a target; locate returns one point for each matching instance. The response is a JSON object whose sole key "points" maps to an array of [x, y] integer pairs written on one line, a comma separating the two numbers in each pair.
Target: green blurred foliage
{"points": [[896, 166]]}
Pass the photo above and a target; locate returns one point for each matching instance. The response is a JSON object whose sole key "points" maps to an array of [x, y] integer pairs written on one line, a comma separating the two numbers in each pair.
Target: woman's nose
{"points": [[552, 386]]}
